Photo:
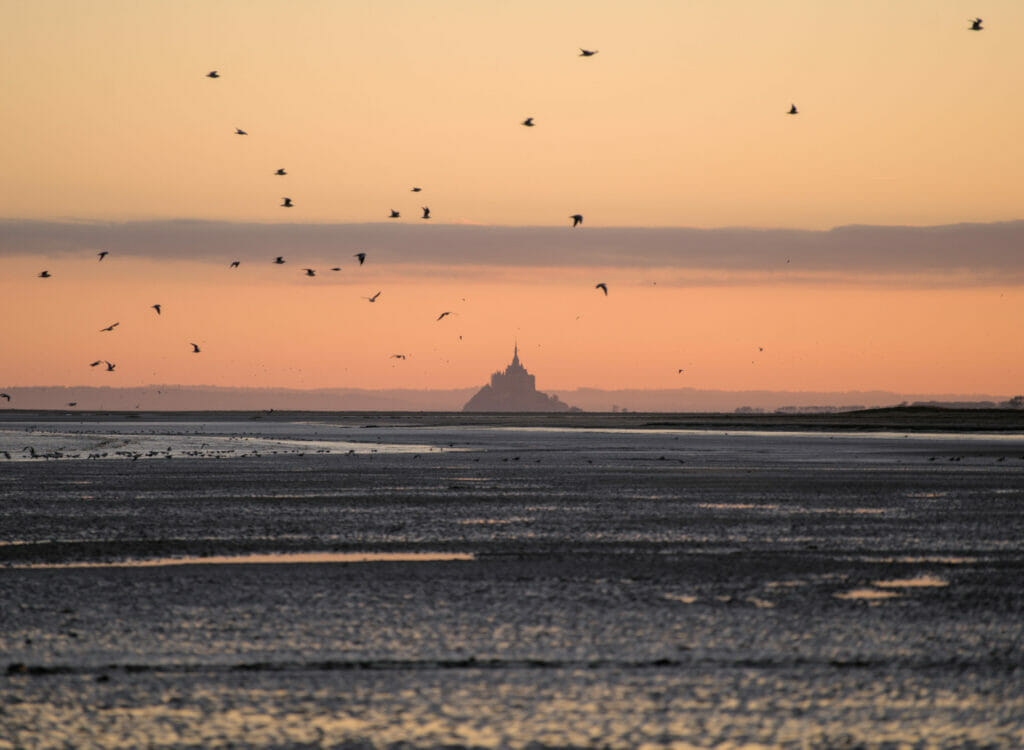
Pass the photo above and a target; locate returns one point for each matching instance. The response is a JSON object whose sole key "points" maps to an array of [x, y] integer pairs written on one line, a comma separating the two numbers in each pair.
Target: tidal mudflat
{"points": [[424, 581]]}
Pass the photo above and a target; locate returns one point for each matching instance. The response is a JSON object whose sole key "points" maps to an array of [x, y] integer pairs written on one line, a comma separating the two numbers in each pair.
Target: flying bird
{"points": [[102, 254], [680, 372], [213, 74], [577, 219], [4, 395], [603, 287], [397, 356], [426, 212], [373, 298], [93, 364], [287, 203], [394, 214], [280, 173], [157, 308], [793, 110], [415, 189], [587, 52], [279, 260], [234, 263], [72, 403], [446, 312], [195, 348], [111, 327], [44, 275], [361, 256], [239, 131], [110, 366], [975, 24], [309, 271], [335, 269], [528, 122]]}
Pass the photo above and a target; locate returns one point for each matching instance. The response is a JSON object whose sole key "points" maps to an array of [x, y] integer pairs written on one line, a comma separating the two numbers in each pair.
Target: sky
{"points": [[871, 241]]}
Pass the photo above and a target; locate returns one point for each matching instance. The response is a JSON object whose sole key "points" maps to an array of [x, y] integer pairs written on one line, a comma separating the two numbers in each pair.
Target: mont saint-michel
{"points": [[514, 389]]}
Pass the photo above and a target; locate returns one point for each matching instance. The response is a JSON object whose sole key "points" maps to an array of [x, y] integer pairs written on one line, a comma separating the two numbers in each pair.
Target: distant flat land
{"points": [[893, 419]]}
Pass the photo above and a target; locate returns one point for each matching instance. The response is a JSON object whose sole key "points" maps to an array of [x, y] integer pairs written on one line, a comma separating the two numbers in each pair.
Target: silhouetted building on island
{"points": [[514, 390]]}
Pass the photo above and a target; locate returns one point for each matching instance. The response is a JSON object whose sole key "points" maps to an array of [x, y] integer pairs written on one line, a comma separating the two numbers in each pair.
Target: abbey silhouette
{"points": [[515, 389]]}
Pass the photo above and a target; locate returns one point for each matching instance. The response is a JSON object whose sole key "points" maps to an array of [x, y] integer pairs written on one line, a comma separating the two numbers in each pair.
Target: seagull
{"points": [[110, 366], [279, 260], [446, 312], [195, 348], [793, 110], [415, 189], [93, 364], [373, 298], [213, 74], [335, 269], [603, 287], [975, 24], [111, 327], [4, 395], [287, 203], [528, 122], [44, 275], [102, 254], [577, 219], [280, 172], [397, 356], [309, 271], [239, 131], [235, 263], [157, 308], [361, 256], [587, 52], [394, 214], [72, 403], [426, 212]]}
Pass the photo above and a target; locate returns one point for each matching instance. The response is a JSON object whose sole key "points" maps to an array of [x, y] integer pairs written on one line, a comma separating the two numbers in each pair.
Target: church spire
{"points": [[515, 354]]}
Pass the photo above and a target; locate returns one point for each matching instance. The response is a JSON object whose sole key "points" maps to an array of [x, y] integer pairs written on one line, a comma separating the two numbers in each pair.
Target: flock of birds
{"points": [[577, 220]]}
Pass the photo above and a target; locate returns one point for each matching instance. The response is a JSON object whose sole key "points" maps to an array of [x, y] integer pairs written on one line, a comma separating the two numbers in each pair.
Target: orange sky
{"points": [[679, 120]]}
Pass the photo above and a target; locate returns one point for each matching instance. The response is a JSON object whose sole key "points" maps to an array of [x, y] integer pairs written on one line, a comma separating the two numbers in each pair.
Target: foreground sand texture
{"points": [[629, 585]]}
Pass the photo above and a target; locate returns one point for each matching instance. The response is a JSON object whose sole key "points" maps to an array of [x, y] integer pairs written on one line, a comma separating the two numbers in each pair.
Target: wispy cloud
{"points": [[980, 253]]}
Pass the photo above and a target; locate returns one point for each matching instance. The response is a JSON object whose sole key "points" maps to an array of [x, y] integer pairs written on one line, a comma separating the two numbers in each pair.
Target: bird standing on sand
{"points": [[111, 327], [587, 52], [426, 212], [102, 254], [793, 110], [975, 24], [373, 298], [361, 257], [157, 308], [287, 203], [528, 122], [45, 275], [213, 74], [195, 348], [577, 219], [603, 287], [239, 131], [280, 173]]}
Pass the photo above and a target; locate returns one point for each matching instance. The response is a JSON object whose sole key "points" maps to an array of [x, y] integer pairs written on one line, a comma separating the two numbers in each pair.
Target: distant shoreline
{"points": [[891, 419]]}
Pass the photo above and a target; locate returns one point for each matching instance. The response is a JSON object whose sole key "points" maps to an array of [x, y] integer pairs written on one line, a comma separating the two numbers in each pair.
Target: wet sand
{"points": [[664, 585]]}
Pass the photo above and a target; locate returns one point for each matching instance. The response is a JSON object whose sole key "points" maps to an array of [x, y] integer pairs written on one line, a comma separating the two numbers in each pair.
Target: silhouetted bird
{"points": [[373, 298], [93, 364], [397, 356], [111, 327], [975, 24], [213, 74], [157, 308], [72, 403], [680, 372], [603, 287], [195, 348], [280, 172], [234, 263], [279, 260], [102, 254], [4, 395], [446, 312], [110, 366], [793, 110], [239, 131], [309, 271], [577, 219], [287, 202], [44, 275], [587, 52], [335, 269], [426, 212], [528, 122], [394, 214], [415, 189], [361, 256], [760, 348]]}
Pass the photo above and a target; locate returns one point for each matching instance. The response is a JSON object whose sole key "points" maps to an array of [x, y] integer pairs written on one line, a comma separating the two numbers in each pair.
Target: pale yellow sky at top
{"points": [[905, 116]]}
